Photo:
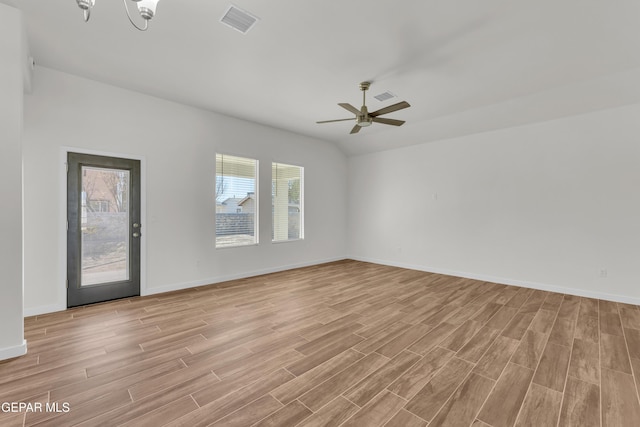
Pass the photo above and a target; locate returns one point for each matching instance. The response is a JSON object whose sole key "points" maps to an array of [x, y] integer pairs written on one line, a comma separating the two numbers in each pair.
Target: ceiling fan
{"points": [[364, 118]]}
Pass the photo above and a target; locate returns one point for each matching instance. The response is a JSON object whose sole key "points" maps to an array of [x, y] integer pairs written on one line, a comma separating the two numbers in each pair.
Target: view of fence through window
{"points": [[286, 202], [236, 201], [105, 225]]}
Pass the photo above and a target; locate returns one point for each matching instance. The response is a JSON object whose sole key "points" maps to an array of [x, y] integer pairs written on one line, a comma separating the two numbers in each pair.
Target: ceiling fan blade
{"points": [[349, 107], [355, 129], [390, 109], [392, 122], [338, 120]]}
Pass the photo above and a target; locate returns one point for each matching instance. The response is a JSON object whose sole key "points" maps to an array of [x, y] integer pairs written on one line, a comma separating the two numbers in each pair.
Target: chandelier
{"points": [[146, 8]]}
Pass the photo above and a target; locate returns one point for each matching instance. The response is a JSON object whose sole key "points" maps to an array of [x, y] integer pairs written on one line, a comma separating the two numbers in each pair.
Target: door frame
{"points": [[62, 231]]}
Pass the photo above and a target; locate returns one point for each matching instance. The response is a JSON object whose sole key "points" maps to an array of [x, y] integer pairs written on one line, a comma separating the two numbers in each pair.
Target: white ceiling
{"points": [[465, 66]]}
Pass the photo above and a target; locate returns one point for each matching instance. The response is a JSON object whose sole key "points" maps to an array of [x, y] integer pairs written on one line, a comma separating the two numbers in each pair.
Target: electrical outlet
{"points": [[603, 272]]}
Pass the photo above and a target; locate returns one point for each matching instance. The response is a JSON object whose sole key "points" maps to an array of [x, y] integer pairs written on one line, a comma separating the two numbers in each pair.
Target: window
{"points": [[287, 192], [236, 202]]}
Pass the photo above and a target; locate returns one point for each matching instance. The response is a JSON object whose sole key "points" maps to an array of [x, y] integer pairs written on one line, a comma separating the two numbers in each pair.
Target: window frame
{"points": [[256, 213], [301, 233]]}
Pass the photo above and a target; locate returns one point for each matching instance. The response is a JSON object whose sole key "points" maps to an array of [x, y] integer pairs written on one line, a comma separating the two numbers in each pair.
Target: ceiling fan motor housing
{"points": [[363, 118]]}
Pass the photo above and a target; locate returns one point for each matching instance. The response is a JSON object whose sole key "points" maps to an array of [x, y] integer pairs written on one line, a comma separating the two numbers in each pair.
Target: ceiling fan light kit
{"points": [[146, 9], [364, 118]]}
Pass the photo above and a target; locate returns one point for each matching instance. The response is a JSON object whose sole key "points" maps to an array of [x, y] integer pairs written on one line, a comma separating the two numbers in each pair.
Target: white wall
{"points": [[178, 144], [547, 206], [12, 342]]}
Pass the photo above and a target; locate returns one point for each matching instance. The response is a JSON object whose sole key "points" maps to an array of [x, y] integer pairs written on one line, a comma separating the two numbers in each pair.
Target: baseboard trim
{"points": [[244, 275], [506, 281], [16, 351], [36, 311]]}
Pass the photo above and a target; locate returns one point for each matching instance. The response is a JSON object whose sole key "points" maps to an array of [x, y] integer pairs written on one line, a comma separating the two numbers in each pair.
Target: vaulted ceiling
{"points": [[465, 66]]}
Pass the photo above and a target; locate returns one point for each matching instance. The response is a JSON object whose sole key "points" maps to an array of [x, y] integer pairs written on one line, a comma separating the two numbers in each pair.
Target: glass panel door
{"points": [[104, 230]]}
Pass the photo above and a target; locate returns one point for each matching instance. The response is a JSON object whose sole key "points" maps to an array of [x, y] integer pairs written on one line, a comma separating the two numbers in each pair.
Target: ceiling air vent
{"points": [[384, 96], [238, 19]]}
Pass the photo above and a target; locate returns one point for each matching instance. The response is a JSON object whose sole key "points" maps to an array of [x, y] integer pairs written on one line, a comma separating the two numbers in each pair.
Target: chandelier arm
{"points": [[146, 22]]}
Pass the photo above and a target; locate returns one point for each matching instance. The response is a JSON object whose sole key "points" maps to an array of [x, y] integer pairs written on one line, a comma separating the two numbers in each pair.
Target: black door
{"points": [[103, 235]]}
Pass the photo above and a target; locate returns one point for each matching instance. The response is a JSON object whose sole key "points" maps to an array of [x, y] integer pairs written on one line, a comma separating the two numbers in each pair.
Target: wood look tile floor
{"points": [[339, 344]]}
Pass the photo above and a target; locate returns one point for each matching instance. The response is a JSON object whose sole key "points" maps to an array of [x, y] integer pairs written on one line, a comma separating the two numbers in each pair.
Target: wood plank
{"points": [[554, 364], [541, 408], [327, 340], [405, 418], [465, 403], [478, 344], [332, 414], [613, 353], [290, 415], [425, 344], [503, 404], [633, 342], [461, 336], [486, 312], [610, 324], [227, 396], [371, 344], [319, 396], [251, 413], [587, 328], [620, 405], [630, 317], [496, 358], [165, 414], [151, 403], [607, 307], [307, 363], [562, 332], [295, 388], [552, 302], [581, 404], [412, 381], [402, 341], [12, 419], [569, 308], [365, 390], [428, 401], [588, 307], [530, 349], [502, 318], [519, 298], [377, 411], [635, 364], [314, 332], [518, 326], [585, 361], [543, 321]]}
